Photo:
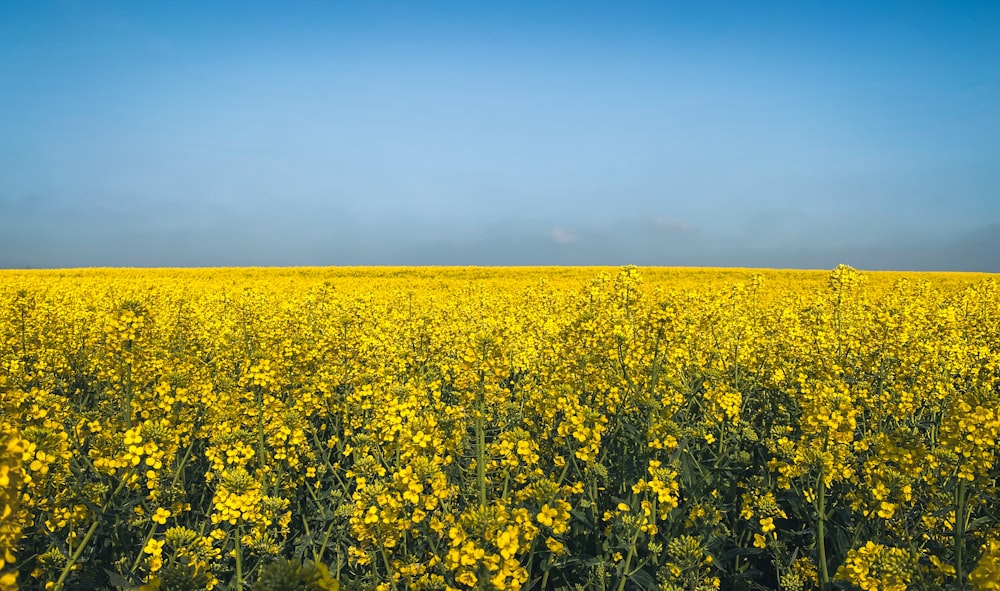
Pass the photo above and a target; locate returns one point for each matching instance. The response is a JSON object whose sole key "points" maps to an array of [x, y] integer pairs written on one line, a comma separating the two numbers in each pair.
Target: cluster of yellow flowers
{"points": [[13, 453], [469, 428], [874, 567], [986, 576]]}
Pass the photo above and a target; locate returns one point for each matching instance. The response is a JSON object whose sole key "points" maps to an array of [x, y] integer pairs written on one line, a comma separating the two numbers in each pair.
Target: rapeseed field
{"points": [[489, 428]]}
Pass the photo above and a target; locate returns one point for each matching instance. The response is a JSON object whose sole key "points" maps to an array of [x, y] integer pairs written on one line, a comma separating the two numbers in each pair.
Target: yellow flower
{"points": [[161, 515], [467, 578], [154, 547], [986, 576], [547, 515], [555, 546]]}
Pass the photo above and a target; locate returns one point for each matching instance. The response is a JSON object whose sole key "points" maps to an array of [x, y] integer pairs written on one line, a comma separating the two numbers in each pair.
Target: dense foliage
{"points": [[499, 429]]}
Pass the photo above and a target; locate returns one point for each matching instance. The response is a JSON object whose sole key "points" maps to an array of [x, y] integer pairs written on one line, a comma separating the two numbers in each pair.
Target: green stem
{"points": [[184, 460], [914, 554], [238, 583], [545, 576], [388, 568], [325, 453], [628, 559], [960, 508], [149, 537], [480, 445], [259, 400], [722, 443], [86, 538], [824, 574], [326, 541], [305, 527], [76, 556]]}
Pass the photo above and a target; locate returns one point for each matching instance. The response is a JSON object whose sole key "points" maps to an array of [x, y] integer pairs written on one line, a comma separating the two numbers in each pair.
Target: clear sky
{"points": [[752, 133]]}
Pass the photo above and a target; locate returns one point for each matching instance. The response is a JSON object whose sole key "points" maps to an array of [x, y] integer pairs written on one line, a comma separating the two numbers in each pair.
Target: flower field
{"points": [[477, 428]]}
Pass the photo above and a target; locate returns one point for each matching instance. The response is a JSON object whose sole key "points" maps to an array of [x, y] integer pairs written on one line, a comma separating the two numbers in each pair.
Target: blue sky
{"points": [[773, 134]]}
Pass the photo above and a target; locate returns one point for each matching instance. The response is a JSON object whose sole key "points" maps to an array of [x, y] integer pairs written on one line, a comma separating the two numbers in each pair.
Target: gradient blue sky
{"points": [[775, 134]]}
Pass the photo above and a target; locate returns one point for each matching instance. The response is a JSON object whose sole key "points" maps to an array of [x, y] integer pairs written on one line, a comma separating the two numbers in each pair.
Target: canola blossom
{"points": [[481, 428]]}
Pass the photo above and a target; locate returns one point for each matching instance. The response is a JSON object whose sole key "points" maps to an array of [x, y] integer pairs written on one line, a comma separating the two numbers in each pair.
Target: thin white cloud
{"points": [[671, 224], [563, 236]]}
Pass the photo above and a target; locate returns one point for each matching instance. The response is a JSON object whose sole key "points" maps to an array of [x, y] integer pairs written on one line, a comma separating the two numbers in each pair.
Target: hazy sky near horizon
{"points": [[773, 134]]}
